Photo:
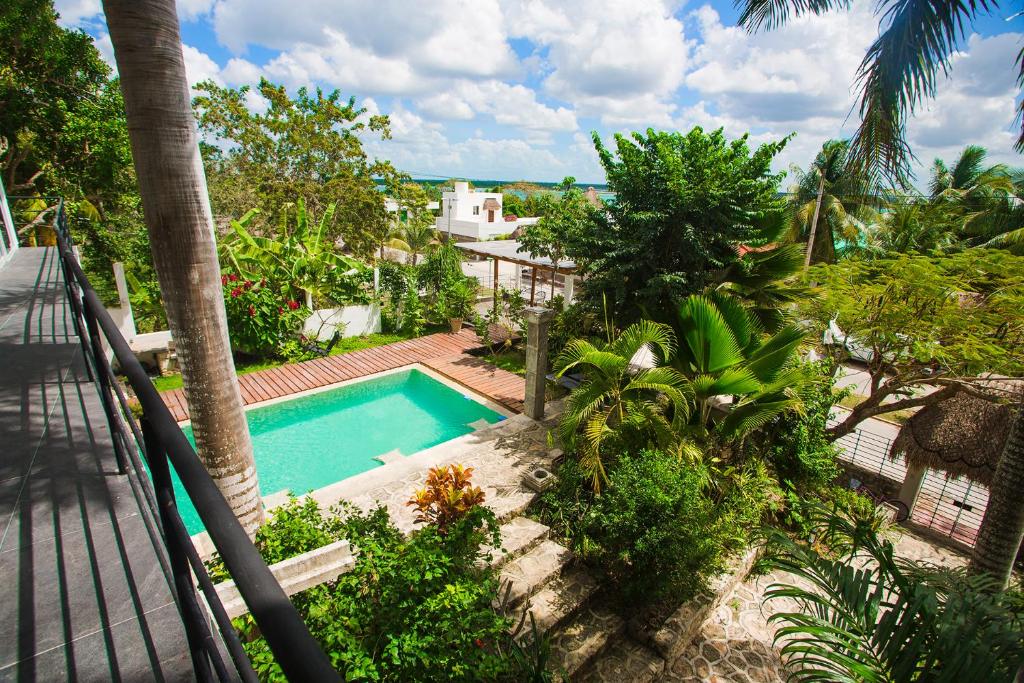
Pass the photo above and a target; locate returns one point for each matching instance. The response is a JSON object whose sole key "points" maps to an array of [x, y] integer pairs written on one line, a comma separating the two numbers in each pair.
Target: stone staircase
{"points": [[590, 641], [539, 578]]}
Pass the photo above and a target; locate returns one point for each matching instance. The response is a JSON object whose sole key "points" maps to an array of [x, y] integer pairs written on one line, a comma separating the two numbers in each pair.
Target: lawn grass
{"points": [[898, 417], [347, 345], [513, 360]]}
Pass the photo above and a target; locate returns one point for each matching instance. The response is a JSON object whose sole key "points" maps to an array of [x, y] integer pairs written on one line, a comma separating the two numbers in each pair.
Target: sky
{"points": [[512, 89]]}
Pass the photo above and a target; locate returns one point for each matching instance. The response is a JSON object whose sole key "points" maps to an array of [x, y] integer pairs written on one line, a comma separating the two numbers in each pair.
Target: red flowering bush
{"points": [[261, 321]]}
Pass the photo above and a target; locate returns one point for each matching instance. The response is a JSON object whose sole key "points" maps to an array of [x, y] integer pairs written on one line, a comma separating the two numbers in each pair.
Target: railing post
{"points": [[160, 472], [100, 363], [71, 288]]}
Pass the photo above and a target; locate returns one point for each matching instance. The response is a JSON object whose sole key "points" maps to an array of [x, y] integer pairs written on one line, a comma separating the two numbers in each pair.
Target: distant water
{"points": [[309, 442], [484, 183]]}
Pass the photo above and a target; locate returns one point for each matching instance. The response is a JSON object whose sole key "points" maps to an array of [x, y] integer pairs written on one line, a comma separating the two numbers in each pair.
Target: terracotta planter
{"points": [[456, 324]]}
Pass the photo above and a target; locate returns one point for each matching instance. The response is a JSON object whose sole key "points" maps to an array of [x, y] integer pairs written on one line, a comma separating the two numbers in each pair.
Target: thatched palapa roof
{"points": [[491, 204], [963, 436]]}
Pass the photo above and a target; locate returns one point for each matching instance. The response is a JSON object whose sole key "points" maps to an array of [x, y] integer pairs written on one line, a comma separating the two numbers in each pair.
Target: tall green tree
{"points": [[564, 219], [684, 202], [827, 199], [925, 322], [914, 47], [307, 147]]}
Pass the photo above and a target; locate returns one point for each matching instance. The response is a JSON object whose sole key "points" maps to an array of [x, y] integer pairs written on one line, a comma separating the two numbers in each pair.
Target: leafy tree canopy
{"points": [[928, 322], [306, 147], [683, 204], [564, 220]]}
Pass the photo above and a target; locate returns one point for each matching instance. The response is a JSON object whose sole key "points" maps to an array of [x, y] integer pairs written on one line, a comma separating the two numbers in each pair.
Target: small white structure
{"points": [[8, 234], [392, 206], [475, 215]]}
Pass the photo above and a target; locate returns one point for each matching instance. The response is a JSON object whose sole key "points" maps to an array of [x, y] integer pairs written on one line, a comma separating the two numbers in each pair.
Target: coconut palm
{"points": [[969, 179], [907, 224], [618, 394], [864, 615], [723, 353], [825, 199], [902, 66], [414, 237], [165, 148]]}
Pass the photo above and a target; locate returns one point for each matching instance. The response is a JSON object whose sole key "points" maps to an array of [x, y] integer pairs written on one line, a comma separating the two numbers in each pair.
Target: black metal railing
{"points": [[158, 439]]}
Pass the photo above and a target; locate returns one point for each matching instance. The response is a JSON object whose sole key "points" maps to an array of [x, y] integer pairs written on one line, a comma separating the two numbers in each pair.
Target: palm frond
{"points": [[769, 14]]}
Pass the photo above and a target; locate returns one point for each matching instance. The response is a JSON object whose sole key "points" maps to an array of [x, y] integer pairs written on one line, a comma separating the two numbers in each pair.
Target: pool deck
{"points": [[443, 352]]}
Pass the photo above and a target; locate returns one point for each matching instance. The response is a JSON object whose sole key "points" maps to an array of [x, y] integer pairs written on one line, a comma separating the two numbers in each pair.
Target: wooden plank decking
{"points": [[444, 353]]}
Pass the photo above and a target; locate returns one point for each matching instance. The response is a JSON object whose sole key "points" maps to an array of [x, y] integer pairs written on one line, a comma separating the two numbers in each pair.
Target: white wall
{"points": [[357, 321], [7, 225]]}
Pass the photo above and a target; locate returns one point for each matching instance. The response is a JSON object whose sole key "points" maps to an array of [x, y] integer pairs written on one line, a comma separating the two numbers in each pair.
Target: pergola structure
{"points": [[508, 250]]}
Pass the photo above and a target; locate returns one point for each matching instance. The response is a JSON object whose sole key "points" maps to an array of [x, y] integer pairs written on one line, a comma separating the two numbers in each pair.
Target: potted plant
{"points": [[455, 302]]}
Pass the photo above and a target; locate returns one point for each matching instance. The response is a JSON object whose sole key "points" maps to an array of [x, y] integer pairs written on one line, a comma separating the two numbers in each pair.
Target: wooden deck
{"points": [[444, 353]]}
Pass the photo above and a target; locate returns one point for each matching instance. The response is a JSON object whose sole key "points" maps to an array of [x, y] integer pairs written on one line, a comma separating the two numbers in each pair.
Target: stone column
{"points": [[538, 319], [912, 484], [570, 289]]}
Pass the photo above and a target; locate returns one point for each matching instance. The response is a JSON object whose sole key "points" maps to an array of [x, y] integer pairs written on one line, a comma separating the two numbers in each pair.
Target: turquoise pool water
{"points": [[309, 442]]}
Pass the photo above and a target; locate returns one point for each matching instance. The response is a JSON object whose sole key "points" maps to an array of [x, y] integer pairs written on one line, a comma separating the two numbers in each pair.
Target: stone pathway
{"points": [[735, 642]]}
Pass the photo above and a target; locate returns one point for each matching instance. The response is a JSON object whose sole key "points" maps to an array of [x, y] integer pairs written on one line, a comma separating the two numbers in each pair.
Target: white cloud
{"points": [[75, 12], [200, 67], [974, 105], [240, 72], [510, 105], [620, 60]]}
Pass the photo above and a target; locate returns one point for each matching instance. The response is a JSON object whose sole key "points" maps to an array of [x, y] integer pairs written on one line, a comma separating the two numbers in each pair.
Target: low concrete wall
{"points": [[354, 320], [295, 574]]}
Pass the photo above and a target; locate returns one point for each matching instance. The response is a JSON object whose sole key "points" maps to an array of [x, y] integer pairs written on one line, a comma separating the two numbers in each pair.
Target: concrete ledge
{"points": [[296, 574]]}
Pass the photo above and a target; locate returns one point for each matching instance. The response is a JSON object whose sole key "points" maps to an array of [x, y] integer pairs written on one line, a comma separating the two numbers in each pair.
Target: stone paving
{"points": [[735, 642]]}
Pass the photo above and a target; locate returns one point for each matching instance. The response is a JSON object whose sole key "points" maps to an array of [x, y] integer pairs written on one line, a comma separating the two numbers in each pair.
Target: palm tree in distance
{"points": [[901, 68], [414, 237], [825, 199], [172, 184]]}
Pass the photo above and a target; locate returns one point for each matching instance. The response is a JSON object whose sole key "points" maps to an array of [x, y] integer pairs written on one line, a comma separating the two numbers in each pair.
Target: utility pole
{"points": [[814, 221]]}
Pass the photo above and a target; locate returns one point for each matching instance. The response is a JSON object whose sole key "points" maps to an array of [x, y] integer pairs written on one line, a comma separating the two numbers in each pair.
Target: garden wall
{"points": [[354, 320]]}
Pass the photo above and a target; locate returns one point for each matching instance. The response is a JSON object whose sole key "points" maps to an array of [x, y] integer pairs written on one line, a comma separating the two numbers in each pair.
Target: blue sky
{"points": [[512, 89]]}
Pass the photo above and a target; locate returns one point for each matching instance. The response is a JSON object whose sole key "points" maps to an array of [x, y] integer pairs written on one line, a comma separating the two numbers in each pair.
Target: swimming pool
{"points": [[308, 442]]}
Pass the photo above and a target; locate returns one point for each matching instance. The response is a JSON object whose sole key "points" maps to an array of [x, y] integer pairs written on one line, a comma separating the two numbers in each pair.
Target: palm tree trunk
{"points": [[165, 146], [1002, 528], [814, 221]]}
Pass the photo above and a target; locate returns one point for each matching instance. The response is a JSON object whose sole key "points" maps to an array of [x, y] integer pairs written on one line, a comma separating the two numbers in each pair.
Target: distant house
{"points": [[400, 210], [474, 215]]}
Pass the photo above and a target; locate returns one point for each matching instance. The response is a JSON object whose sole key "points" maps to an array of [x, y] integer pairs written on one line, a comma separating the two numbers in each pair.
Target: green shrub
{"points": [[796, 443], [261, 321], [411, 609], [660, 528]]}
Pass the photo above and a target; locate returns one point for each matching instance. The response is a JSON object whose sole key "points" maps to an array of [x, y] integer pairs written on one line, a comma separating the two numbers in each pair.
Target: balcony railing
{"points": [[156, 439]]}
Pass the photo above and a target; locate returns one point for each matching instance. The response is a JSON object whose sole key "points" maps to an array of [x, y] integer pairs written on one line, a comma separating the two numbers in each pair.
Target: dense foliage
{"points": [[662, 526], [262, 320], [927, 322], [411, 609], [861, 614], [307, 147], [683, 202]]}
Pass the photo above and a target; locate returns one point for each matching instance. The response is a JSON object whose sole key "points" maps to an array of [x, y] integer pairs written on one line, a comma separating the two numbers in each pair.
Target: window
{"points": [[476, 210]]}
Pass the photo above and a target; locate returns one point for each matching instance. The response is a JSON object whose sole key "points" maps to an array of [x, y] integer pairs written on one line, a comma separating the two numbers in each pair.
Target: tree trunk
{"points": [[165, 146], [814, 221], [1002, 528]]}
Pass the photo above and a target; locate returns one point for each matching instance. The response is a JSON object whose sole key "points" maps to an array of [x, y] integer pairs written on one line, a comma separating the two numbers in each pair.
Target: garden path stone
{"points": [[584, 639], [558, 601], [526, 575], [518, 536]]}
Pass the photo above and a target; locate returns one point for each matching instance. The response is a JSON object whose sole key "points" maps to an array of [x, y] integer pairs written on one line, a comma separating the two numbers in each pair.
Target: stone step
{"points": [[518, 536], [583, 639], [624, 660], [557, 602], [527, 574], [508, 505]]}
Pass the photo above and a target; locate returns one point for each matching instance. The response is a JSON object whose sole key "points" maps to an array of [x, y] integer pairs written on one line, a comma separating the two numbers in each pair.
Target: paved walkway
{"points": [[443, 352], [735, 642], [86, 592]]}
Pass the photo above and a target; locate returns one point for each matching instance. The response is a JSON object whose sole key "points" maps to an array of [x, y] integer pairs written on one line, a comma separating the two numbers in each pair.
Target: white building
{"points": [[475, 215]]}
